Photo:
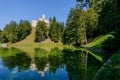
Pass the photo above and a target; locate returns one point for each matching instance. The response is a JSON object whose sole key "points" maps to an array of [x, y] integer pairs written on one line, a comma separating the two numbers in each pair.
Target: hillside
{"points": [[28, 44], [30, 38]]}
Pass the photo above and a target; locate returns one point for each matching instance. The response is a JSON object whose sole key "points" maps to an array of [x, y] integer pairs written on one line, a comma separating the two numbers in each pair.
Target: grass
{"points": [[97, 42], [98, 57], [46, 46]]}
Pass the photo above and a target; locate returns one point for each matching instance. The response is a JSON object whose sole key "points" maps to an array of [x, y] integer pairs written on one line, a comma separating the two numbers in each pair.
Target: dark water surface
{"points": [[54, 65]]}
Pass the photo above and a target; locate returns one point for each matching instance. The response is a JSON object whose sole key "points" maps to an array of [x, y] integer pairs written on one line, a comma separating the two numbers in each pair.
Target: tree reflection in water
{"points": [[21, 61], [75, 61], [56, 64], [56, 60], [75, 64]]}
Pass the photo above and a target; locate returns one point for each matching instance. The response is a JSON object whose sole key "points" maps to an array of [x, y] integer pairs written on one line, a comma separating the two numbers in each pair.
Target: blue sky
{"points": [[33, 9]]}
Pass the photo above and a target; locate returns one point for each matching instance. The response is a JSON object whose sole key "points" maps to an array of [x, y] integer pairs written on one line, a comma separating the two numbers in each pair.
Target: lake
{"points": [[16, 64]]}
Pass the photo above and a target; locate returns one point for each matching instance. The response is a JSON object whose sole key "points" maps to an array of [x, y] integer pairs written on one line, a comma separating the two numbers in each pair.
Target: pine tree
{"points": [[75, 32], [41, 32], [56, 29]]}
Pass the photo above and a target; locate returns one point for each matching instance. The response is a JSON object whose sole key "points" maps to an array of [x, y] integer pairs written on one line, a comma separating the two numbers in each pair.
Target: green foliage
{"points": [[108, 15], [96, 5], [24, 29], [11, 32], [112, 43], [98, 19], [0, 35], [41, 32], [92, 22], [75, 32], [55, 30], [14, 32]]}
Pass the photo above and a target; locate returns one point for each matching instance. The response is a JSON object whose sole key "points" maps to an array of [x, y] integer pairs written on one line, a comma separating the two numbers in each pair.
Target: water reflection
{"points": [[56, 60], [33, 67], [42, 65], [75, 64], [21, 61], [53, 65]]}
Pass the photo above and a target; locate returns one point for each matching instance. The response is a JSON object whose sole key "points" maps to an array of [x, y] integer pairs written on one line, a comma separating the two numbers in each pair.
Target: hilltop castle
{"points": [[34, 22]]}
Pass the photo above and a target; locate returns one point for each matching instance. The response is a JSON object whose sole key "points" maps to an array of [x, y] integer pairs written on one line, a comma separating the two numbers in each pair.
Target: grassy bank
{"points": [[111, 69], [94, 48], [97, 42]]}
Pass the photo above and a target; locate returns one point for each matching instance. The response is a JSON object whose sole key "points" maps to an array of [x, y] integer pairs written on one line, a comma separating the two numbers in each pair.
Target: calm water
{"points": [[43, 65]]}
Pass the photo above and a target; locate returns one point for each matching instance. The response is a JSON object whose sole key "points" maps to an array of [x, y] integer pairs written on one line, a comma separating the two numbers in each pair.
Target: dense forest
{"points": [[90, 19], [14, 31], [87, 20], [54, 31]]}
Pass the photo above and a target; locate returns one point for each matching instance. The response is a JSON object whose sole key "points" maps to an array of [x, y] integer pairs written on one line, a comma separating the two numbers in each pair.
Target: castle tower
{"points": [[42, 18]]}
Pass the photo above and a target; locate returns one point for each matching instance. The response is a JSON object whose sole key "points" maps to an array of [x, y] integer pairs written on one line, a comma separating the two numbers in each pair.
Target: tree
{"points": [[75, 32], [14, 32], [11, 31], [109, 16], [24, 29], [61, 29], [0, 35], [41, 32], [55, 30], [92, 22]]}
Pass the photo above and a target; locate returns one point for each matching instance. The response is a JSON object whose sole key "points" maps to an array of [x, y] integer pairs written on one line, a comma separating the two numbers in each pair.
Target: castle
{"points": [[34, 22]]}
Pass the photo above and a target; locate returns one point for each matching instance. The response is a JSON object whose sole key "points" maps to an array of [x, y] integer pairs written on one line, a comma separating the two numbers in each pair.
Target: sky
{"points": [[33, 9]]}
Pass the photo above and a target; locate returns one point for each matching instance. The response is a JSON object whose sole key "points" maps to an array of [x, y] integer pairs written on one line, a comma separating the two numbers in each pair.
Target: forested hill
{"points": [[30, 38], [86, 21]]}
